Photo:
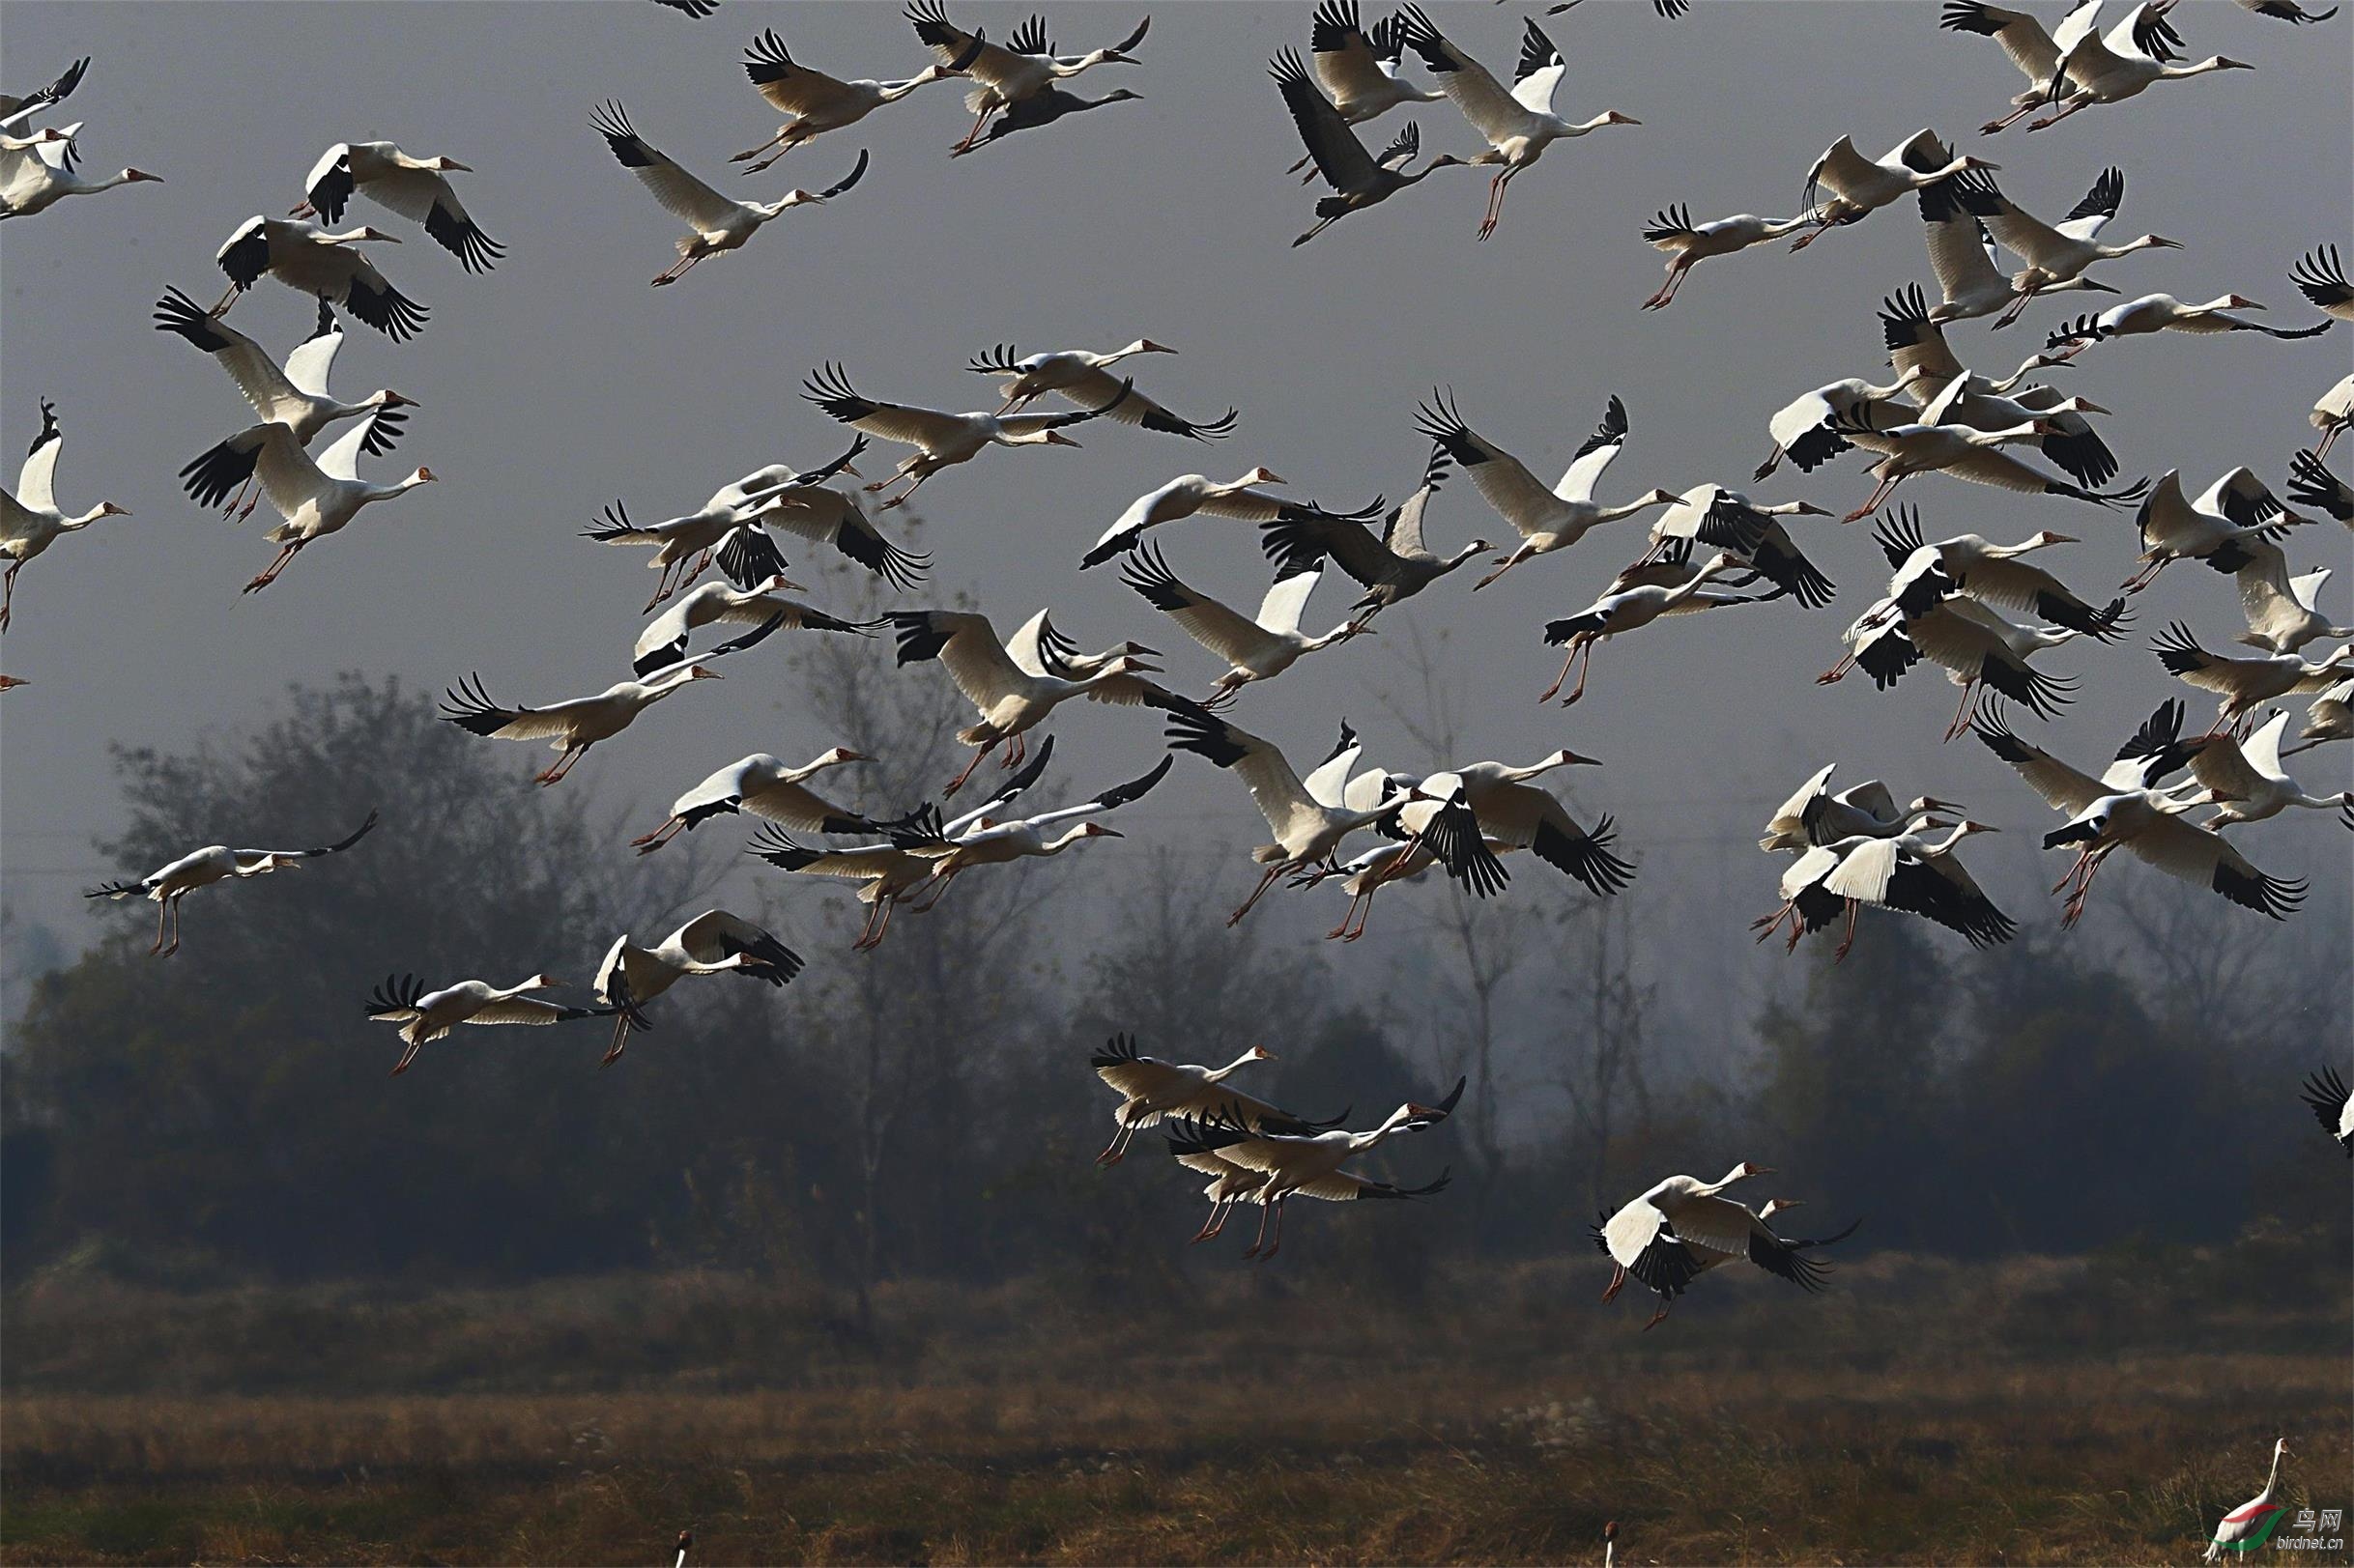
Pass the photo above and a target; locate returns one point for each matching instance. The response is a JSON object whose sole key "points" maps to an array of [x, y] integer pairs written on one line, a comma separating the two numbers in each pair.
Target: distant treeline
{"points": [[927, 1110]]}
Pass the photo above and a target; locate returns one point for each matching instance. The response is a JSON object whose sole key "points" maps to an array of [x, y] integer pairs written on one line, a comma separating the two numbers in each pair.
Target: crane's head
{"points": [[842, 754], [425, 476], [1261, 476], [2241, 301], [1260, 1053], [1097, 829], [390, 399], [698, 673], [108, 508], [450, 165], [370, 232], [779, 583], [132, 176]]}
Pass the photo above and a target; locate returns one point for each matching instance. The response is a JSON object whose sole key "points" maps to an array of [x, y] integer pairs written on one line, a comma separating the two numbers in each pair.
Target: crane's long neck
{"points": [[66, 525], [1709, 1188], [1220, 1074], [1361, 1141], [1462, 555], [1338, 634], [1613, 514], [2273, 1478], [654, 691]]}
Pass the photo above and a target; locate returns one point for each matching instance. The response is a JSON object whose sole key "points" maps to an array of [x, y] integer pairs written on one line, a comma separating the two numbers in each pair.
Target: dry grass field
{"points": [[2090, 1411]]}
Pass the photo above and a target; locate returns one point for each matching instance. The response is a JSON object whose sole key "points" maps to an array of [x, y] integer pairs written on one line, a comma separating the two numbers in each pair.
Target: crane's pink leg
{"points": [[1992, 125], [647, 843], [1840, 953], [8, 593], [285, 558], [406, 1057], [1506, 564], [1252, 1250], [958, 782], [1584, 670], [1878, 494], [2328, 437], [1276, 1245], [164, 911], [1265, 882], [1962, 714], [2049, 120], [1215, 1223], [1577, 645], [1657, 1318], [1766, 925], [1618, 1283], [1340, 930]]}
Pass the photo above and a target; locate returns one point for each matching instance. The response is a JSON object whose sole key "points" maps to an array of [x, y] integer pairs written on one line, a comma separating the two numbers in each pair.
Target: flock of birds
{"points": [[1949, 603]]}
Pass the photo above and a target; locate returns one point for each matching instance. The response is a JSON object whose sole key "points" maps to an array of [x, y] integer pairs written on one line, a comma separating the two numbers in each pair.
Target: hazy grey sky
{"points": [[560, 382]]}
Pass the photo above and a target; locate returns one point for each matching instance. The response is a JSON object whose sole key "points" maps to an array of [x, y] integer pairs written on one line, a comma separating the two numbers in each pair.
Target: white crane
{"points": [[1927, 365], [714, 942], [889, 872], [1010, 700], [168, 884], [30, 517], [2332, 1106], [1748, 531], [1518, 125], [295, 396], [2164, 313], [941, 440], [1929, 444], [2247, 684], [1778, 1254], [1908, 871], [2245, 782], [720, 222], [1358, 69], [1359, 179], [1190, 494], [1630, 610], [425, 1016], [1231, 1184], [1984, 653], [1805, 429], [1005, 74], [816, 102], [2147, 824], [573, 726], [2055, 255], [829, 516], [2112, 66], [2281, 610], [990, 841], [2321, 278], [2250, 1516], [312, 261], [1257, 647], [2036, 51], [1086, 378], [1043, 109], [1152, 1091], [37, 173], [695, 536], [1860, 186], [1546, 520], [2224, 528], [1652, 1239], [415, 187], [317, 499], [767, 788], [1392, 565], [1814, 815], [1514, 811], [1307, 821], [1992, 574], [1311, 1165], [1688, 244], [2309, 484], [664, 642]]}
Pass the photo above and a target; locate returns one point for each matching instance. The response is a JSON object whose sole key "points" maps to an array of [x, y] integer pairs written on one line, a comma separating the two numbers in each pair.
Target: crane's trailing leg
{"points": [[285, 558], [958, 782], [1846, 941], [1878, 494], [406, 1057], [1265, 882], [1962, 714], [8, 592], [1618, 1283]]}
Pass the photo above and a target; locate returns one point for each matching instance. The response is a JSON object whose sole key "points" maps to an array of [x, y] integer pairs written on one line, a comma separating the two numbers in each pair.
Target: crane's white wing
{"points": [[686, 197], [1286, 600]]}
